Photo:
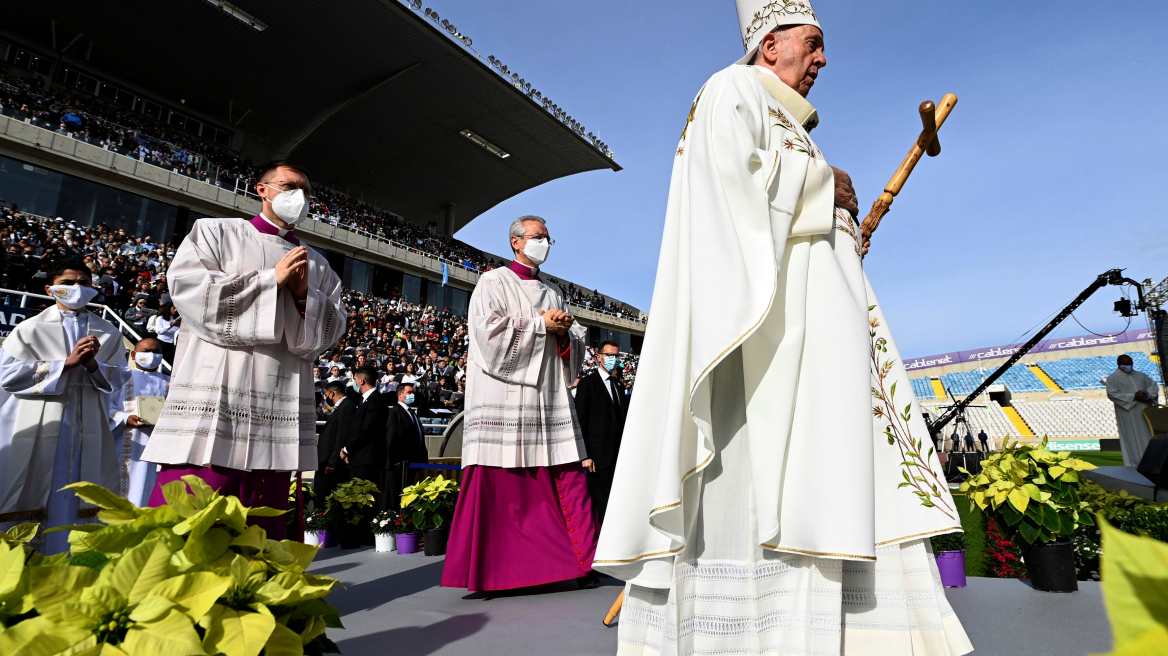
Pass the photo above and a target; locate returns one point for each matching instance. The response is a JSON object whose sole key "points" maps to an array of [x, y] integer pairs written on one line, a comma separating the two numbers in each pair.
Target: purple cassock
{"points": [[254, 488]]}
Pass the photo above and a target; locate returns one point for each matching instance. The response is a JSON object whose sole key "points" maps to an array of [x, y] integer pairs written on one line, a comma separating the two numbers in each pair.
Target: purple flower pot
{"points": [[330, 537], [407, 543], [952, 567]]}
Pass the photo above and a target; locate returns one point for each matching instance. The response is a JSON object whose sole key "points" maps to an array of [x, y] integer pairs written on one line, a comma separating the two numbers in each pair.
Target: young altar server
{"points": [[761, 507], [523, 517], [132, 432], [258, 308], [54, 368]]}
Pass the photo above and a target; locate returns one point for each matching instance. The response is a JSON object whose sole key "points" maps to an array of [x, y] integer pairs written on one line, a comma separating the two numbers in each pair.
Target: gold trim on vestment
{"points": [[818, 553], [633, 560], [920, 535]]}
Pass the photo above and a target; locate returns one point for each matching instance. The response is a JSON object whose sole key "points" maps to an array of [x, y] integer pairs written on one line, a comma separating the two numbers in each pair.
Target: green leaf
{"points": [[283, 642], [173, 635], [1019, 499], [40, 636], [1135, 583], [1009, 514], [94, 560], [236, 633], [100, 497], [207, 547], [1052, 522], [20, 534], [102, 649], [321, 608], [194, 592], [11, 572], [264, 511], [302, 553], [1029, 532], [1067, 523], [51, 587], [140, 569], [203, 492], [892, 391], [252, 536], [151, 608], [200, 522]]}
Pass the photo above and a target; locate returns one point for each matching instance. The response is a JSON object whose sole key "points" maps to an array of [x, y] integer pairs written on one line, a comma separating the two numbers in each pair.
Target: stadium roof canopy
{"points": [[372, 96]]}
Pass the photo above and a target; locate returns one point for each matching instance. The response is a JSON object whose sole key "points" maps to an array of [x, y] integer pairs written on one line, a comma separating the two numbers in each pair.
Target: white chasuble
{"points": [[1134, 432], [136, 476], [757, 488], [241, 393], [519, 412], [53, 427]]}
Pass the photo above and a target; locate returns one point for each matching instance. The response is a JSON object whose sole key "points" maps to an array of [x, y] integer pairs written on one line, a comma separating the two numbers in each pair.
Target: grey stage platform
{"points": [[393, 605], [1124, 478]]}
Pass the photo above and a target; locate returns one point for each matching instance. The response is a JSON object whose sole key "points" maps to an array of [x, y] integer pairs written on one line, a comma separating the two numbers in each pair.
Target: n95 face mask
{"points": [[74, 297], [290, 206], [148, 361], [536, 250]]}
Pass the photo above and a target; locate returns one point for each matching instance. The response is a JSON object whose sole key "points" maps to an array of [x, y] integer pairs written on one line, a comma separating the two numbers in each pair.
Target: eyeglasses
{"points": [[307, 191], [551, 242]]}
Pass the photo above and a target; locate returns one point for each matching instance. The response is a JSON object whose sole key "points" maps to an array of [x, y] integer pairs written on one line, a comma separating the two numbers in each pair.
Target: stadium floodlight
{"points": [[485, 145], [239, 14]]}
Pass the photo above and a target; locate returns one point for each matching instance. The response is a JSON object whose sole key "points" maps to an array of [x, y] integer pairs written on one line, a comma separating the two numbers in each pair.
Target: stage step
{"points": [[938, 388], [1045, 378], [1018, 422]]}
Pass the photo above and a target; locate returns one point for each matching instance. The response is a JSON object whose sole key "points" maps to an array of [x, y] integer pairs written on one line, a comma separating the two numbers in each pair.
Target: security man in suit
{"points": [[364, 439], [601, 407], [404, 444], [331, 470]]}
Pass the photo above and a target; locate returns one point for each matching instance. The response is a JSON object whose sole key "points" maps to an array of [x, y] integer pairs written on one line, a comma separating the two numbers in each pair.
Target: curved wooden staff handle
{"points": [[932, 118]]}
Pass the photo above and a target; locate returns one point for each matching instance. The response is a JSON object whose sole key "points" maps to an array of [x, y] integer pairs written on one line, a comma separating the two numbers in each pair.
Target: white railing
{"points": [[105, 312]]}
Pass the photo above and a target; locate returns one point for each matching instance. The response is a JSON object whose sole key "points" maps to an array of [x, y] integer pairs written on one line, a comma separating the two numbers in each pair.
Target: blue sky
{"points": [[1052, 169]]}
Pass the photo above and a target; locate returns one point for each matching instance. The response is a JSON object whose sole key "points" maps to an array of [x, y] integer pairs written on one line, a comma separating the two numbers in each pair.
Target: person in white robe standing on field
{"points": [[775, 488], [1131, 391], [131, 432], [523, 516], [54, 368], [258, 308]]}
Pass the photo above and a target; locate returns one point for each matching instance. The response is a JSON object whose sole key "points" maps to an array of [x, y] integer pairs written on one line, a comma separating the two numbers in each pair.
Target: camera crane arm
{"points": [[1111, 277]]}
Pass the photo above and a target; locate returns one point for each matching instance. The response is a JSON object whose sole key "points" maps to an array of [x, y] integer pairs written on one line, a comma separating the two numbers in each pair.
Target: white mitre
{"points": [[758, 17]]}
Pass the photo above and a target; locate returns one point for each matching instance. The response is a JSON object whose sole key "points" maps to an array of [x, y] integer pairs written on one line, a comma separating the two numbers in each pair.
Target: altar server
{"points": [[54, 430], [1131, 391], [132, 432], [523, 517], [258, 308], [760, 506]]}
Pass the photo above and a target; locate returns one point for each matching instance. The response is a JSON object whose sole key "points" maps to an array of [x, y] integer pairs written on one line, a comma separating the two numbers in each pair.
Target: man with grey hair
{"points": [[524, 516]]}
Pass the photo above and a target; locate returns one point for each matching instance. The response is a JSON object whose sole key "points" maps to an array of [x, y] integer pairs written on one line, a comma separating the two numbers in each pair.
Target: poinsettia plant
{"points": [[353, 499], [1035, 492], [430, 504], [189, 577]]}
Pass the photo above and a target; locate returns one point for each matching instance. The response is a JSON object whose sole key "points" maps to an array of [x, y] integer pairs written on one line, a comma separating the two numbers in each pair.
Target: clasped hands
{"points": [[84, 354], [845, 197], [292, 271], [557, 321]]}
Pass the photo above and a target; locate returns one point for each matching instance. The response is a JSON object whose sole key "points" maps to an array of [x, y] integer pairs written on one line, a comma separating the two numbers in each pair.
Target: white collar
{"points": [[281, 231], [365, 395], [403, 404], [604, 375]]}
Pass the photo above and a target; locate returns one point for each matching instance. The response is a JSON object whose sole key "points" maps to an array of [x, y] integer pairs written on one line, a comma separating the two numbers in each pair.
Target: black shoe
{"points": [[589, 580]]}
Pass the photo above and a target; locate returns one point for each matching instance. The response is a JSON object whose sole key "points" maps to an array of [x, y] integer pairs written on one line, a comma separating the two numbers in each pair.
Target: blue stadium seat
{"points": [[1086, 373], [922, 388]]}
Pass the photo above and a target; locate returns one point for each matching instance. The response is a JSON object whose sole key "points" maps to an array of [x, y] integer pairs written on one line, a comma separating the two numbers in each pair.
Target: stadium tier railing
{"points": [[105, 312]]}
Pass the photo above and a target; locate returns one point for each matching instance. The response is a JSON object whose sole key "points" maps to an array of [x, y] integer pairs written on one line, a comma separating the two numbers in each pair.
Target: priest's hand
{"points": [[845, 195], [867, 245], [589, 465], [557, 321], [292, 270], [134, 421], [83, 354]]}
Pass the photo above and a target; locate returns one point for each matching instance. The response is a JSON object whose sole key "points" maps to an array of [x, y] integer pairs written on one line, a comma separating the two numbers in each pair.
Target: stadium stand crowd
{"points": [[1070, 374], [137, 136]]}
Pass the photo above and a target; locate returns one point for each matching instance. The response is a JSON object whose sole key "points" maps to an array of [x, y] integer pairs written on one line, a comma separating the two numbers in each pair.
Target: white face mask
{"points": [[290, 206], [536, 250], [1126, 368], [74, 297], [149, 361]]}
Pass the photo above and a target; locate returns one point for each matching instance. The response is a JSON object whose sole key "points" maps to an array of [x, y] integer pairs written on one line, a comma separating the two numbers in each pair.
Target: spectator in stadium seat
{"points": [[258, 308], [1131, 391]]}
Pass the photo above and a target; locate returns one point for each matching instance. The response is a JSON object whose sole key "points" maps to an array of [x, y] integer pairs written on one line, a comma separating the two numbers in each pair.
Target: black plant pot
{"points": [[350, 536], [1052, 566], [434, 541]]}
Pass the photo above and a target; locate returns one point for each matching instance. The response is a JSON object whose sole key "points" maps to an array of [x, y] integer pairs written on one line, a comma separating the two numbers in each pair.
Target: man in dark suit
{"points": [[404, 444], [364, 439], [601, 407], [330, 468]]}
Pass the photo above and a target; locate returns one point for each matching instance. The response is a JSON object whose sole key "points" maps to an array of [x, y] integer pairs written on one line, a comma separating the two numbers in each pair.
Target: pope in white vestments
{"points": [[258, 308], [132, 432], [524, 516], [54, 368], [1131, 391], [776, 487]]}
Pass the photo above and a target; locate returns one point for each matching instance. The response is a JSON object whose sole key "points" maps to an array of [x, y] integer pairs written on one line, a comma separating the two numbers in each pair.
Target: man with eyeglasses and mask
{"points": [[131, 431], [54, 428], [523, 516], [257, 307]]}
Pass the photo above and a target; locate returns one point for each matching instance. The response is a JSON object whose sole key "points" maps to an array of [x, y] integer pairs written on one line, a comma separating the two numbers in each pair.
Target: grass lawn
{"points": [[1101, 458], [975, 536]]}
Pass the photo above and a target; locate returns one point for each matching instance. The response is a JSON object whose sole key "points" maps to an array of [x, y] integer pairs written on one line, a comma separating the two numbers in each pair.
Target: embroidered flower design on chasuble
{"points": [[796, 141], [845, 225], [777, 9], [693, 108]]}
